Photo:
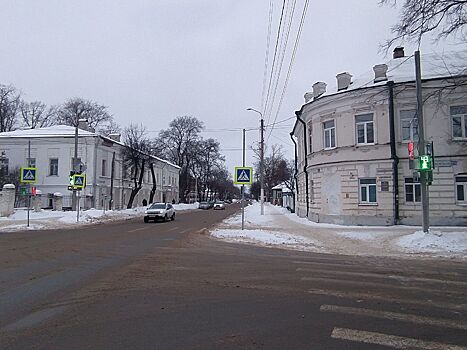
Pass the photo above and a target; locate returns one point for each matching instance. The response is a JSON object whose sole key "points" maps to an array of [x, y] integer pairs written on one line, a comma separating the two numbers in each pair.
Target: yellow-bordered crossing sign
{"points": [[79, 181], [243, 175], [28, 175]]}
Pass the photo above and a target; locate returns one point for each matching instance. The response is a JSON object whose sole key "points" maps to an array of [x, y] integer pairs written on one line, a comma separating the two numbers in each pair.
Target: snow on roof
{"points": [[282, 186], [50, 131], [402, 70], [64, 131]]}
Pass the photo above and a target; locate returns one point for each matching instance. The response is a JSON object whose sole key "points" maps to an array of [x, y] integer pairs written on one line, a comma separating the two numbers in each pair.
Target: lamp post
{"points": [[261, 159]]}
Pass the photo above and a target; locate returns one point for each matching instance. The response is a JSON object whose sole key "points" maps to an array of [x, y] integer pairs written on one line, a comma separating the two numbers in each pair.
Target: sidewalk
{"points": [[280, 228]]}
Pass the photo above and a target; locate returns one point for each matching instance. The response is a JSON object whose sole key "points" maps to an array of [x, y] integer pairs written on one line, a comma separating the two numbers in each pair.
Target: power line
{"points": [[292, 59], [266, 58]]}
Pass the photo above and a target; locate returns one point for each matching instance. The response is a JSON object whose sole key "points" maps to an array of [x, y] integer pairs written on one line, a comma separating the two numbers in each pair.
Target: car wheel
{"points": [[146, 220], [173, 217]]}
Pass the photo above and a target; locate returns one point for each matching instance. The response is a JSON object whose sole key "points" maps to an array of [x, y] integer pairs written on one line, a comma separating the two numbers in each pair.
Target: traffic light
{"points": [[425, 162], [410, 149]]}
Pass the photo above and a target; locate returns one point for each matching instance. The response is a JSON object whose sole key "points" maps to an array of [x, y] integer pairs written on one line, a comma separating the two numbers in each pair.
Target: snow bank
{"points": [[360, 235], [434, 242], [267, 238]]}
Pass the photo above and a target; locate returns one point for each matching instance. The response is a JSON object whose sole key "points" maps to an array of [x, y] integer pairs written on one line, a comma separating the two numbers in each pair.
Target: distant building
{"points": [[351, 144], [52, 151], [283, 196]]}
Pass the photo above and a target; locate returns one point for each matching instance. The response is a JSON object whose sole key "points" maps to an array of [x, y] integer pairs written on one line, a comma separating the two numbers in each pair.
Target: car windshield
{"points": [[157, 206], [204, 203], [219, 202]]}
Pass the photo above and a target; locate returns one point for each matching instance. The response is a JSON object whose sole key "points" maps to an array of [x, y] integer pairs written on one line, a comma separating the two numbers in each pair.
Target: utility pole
{"points": [[29, 185], [422, 145], [261, 160], [243, 186], [261, 165]]}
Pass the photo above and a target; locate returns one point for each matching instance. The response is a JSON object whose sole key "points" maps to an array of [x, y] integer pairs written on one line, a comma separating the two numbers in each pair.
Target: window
{"points": [[461, 189], [104, 167], [310, 138], [409, 125], [53, 167], [459, 122], [367, 191], [412, 191], [329, 134], [364, 129], [4, 162]]}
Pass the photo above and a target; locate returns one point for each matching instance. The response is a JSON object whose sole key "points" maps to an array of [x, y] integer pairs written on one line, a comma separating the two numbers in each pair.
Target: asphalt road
{"points": [[130, 285]]}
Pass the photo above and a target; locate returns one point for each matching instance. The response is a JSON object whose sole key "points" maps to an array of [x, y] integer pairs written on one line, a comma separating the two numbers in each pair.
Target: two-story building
{"points": [[352, 161], [101, 158]]}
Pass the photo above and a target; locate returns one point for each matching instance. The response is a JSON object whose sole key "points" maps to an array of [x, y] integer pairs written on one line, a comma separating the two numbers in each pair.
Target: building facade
{"points": [[52, 151], [352, 160]]}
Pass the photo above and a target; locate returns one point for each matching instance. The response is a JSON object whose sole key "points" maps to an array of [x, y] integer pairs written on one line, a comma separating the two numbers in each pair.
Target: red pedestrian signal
{"points": [[410, 148]]}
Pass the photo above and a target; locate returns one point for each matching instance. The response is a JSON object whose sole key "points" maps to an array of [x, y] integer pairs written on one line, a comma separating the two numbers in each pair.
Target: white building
{"points": [[351, 144], [52, 151]]}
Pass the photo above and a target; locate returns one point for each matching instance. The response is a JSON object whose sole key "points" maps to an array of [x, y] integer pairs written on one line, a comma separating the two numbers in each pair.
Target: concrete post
{"points": [[58, 201], [37, 201], [7, 201]]}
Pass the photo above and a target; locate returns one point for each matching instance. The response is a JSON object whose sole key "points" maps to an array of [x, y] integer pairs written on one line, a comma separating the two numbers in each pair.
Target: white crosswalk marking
{"points": [[390, 340], [368, 296], [394, 316]]}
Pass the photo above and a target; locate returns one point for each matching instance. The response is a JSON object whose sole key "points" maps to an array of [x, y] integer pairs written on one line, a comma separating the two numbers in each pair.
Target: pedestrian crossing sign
{"points": [[79, 181], [28, 175], [243, 175]]}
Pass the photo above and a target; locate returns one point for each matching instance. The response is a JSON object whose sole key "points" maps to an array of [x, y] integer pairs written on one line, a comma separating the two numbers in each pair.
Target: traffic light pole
{"points": [[243, 186], [422, 145], [29, 185]]}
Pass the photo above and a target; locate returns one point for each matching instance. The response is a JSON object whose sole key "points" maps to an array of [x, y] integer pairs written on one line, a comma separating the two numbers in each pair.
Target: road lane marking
{"points": [[360, 296], [394, 316], [380, 285], [380, 268], [138, 229], [392, 341], [400, 278]]}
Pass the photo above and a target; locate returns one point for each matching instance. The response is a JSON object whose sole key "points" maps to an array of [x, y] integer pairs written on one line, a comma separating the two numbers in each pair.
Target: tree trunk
{"points": [[137, 184], [154, 184]]}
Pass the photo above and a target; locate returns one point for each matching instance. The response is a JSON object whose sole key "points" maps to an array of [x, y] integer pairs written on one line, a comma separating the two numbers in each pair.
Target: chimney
{"points": [[319, 88], [343, 80], [115, 137], [398, 52], [83, 124], [380, 72]]}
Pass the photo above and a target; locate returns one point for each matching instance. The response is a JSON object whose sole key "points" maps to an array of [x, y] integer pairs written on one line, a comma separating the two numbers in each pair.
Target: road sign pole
{"points": [[77, 204], [243, 186], [29, 185]]}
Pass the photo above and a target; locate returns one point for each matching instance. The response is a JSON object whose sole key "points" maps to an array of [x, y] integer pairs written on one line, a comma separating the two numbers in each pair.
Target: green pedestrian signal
{"points": [[425, 162]]}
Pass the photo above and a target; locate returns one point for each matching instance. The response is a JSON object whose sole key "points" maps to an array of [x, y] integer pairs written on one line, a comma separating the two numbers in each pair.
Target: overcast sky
{"points": [[150, 61]]}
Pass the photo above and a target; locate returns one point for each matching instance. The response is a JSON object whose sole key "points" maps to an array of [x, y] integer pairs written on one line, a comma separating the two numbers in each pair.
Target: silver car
{"points": [[159, 211], [219, 205]]}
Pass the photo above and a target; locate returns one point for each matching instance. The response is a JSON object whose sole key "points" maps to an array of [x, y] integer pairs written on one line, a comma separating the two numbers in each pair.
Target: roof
{"points": [[282, 186], [400, 70], [49, 131], [65, 131]]}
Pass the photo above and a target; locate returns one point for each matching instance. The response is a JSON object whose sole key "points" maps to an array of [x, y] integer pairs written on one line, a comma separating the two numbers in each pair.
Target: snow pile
{"points": [[434, 242], [267, 238], [360, 235]]}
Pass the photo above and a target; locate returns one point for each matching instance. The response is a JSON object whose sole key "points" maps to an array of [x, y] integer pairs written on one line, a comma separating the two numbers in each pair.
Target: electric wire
{"points": [[266, 58]]}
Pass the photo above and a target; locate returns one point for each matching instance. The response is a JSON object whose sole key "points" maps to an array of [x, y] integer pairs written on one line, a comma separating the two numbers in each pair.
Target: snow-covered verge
{"points": [[280, 228], [48, 219]]}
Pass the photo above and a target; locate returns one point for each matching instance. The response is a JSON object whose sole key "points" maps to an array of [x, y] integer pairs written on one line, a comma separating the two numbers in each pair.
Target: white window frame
{"points": [[414, 186], [50, 167], [330, 130], [367, 186], [463, 118], [464, 186], [365, 125], [413, 124]]}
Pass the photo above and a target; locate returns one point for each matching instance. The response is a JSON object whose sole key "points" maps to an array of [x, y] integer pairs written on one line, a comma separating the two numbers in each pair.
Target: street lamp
{"points": [[261, 159]]}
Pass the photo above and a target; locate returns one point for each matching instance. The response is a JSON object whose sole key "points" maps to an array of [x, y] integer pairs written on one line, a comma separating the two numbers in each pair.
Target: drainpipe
{"points": [[298, 114], [295, 168], [395, 159]]}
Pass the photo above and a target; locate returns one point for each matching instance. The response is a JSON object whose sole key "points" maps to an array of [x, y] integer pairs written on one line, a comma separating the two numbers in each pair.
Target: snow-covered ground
{"points": [[48, 219], [280, 228]]}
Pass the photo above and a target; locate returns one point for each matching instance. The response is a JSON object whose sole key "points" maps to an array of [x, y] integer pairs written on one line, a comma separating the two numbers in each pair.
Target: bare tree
{"points": [[446, 17], [135, 156], [111, 127], [10, 100], [78, 108], [177, 144], [36, 114]]}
